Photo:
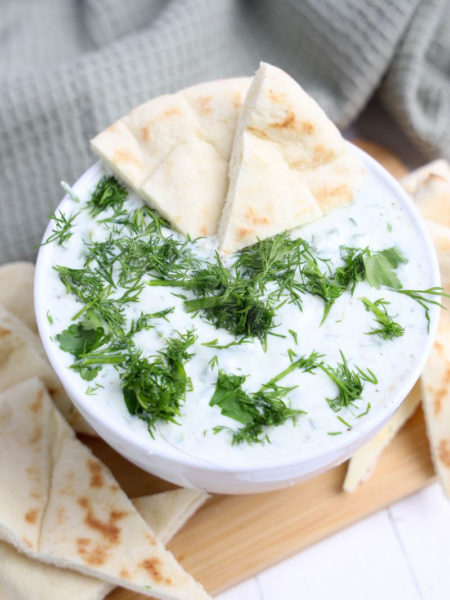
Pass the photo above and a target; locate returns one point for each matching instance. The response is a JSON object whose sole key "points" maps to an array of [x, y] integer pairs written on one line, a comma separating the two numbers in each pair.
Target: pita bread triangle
{"points": [[173, 151], [16, 291], [22, 578], [70, 511], [167, 512], [22, 356], [289, 164], [430, 186]]}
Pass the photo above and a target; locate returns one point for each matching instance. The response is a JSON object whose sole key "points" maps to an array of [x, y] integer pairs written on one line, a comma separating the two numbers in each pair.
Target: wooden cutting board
{"points": [[232, 538]]}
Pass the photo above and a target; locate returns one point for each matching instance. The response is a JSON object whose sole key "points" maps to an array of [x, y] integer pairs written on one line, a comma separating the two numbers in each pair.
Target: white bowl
{"points": [[178, 467]]}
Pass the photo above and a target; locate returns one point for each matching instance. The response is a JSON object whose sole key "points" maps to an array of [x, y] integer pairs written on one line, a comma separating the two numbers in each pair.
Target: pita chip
{"points": [[22, 356], [69, 511], [430, 187], [436, 401], [432, 198], [173, 151], [362, 463], [289, 163], [22, 578], [16, 291], [432, 195], [167, 512]]}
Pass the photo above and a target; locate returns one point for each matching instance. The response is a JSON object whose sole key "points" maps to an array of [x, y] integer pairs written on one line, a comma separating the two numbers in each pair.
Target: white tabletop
{"points": [[400, 553]]}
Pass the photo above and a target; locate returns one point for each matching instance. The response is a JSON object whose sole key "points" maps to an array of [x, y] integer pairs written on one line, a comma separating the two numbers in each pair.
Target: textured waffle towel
{"points": [[68, 68]]}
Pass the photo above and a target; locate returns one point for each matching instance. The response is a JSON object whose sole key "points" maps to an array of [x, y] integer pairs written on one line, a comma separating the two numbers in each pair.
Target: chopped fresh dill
{"points": [[294, 335], [389, 329], [49, 318], [344, 422], [62, 230], [334, 433], [213, 362], [292, 354], [261, 409], [215, 343], [350, 384], [154, 388], [363, 414], [108, 193], [330, 286], [421, 297], [91, 390]]}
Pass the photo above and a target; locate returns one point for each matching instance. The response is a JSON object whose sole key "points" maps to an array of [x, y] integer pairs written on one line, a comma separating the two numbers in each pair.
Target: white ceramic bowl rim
{"points": [[119, 429]]}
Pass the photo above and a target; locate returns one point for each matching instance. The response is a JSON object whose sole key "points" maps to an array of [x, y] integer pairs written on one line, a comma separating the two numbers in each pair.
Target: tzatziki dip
{"points": [[281, 349]]}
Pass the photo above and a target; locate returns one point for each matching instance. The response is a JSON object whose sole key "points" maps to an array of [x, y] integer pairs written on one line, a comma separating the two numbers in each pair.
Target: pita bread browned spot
{"points": [[77, 523], [174, 152], [22, 356], [22, 578], [289, 164]]}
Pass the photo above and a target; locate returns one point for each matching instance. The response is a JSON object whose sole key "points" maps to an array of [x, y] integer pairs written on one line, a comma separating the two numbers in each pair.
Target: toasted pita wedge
{"points": [[363, 462], [168, 512], [174, 152], [22, 356], [69, 511], [22, 578], [441, 240], [432, 198], [436, 401], [414, 180], [16, 291], [430, 186], [289, 163]]}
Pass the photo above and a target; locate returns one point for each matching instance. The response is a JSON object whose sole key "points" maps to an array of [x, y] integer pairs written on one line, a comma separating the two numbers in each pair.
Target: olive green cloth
{"points": [[68, 68]]}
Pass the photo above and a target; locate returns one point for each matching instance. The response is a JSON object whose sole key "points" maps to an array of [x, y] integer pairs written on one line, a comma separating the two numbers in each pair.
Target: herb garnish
{"points": [[379, 267], [154, 389], [420, 296], [389, 329], [62, 230], [82, 338], [261, 409], [349, 383], [108, 193]]}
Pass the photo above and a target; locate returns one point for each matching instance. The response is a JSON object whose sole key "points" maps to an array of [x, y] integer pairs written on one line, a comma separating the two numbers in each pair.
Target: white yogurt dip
{"points": [[375, 219]]}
